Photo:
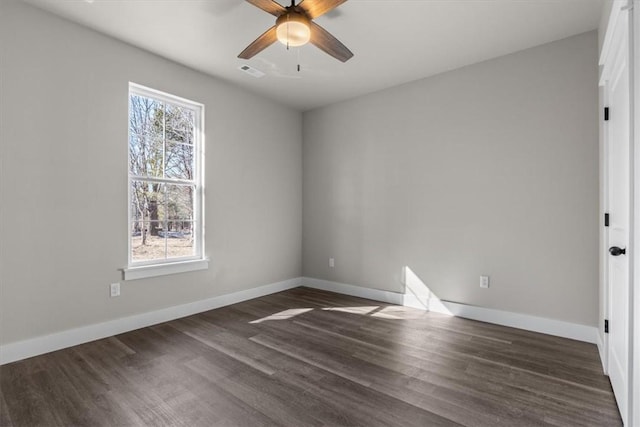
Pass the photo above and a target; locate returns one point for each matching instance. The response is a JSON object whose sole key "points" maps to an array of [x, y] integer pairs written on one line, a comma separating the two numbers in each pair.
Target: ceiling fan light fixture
{"points": [[295, 27], [292, 29]]}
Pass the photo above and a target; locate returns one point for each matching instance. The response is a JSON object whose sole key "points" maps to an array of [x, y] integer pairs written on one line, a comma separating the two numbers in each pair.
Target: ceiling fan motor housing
{"points": [[295, 27]]}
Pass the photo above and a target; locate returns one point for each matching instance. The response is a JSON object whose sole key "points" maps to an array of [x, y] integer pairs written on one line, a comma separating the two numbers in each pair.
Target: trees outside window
{"points": [[165, 193]]}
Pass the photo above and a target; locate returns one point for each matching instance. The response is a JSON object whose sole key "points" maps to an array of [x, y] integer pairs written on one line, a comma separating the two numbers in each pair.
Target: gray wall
{"points": [[607, 5], [63, 179], [489, 169]]}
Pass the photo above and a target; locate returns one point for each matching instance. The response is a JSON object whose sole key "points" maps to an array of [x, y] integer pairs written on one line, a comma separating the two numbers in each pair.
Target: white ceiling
{"points": [[394, 41]]}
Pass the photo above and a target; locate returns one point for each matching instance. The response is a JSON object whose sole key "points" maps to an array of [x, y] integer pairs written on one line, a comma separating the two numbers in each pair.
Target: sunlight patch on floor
{"points": [[354, 310], [417, 295], [398, 313], [284, 315]]}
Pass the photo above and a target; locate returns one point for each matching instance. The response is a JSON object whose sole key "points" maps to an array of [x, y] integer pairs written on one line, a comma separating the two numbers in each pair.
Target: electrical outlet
{"points": [[332, 262], [484, 282], [115, 289]]}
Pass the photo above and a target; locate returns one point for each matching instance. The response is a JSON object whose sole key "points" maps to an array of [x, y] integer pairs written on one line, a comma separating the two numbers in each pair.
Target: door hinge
{"points": [[606, 326], [606, 219], [606, 114]]}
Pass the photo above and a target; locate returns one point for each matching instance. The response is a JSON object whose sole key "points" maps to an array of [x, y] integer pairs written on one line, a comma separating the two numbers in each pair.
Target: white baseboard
{"points": [[515, 320], [355, 291], [601, 351], [528, 322], [59, 340]]}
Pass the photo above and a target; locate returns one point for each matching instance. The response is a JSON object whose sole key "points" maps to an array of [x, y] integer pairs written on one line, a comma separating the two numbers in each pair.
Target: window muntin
{"points": [[165, 188]]}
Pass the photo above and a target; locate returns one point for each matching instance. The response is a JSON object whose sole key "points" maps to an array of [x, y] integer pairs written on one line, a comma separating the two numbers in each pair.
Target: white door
{"points": [[619, 204]]}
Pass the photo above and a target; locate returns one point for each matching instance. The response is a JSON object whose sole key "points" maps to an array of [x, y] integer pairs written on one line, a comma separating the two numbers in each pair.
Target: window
{"points": [[165, 183]]}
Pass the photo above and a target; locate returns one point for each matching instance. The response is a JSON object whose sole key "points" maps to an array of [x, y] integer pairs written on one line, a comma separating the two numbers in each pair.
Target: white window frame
{"points": [[198, 261]]}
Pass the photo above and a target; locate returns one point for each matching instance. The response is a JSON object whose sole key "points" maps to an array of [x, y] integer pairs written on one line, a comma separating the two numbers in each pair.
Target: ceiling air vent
{"points": [[251, 71]]}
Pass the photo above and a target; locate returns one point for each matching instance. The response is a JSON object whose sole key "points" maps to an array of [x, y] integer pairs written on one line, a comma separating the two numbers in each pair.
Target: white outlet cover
{"points": [[115, 289], [484, 282], [332, 262]]}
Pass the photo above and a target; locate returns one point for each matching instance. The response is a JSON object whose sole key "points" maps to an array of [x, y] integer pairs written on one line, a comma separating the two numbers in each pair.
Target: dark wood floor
{"points": [[310, 358]]}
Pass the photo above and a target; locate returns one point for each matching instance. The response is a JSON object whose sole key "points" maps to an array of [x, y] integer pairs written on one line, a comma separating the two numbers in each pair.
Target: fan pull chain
{"points": [[287, 32], [298, 59]]}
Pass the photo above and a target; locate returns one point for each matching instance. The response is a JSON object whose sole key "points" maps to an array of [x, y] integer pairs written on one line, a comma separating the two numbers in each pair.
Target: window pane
{"points": [[146, 136], [179, 124], [162, 174], [179, 160], [147, 241], [180, 202], [180, 239], [147, 201]]}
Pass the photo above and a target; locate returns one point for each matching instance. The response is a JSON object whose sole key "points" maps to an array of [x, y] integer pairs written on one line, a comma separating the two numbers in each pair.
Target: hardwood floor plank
{"points": [[261, 393], [306, 357], [5, 420]]}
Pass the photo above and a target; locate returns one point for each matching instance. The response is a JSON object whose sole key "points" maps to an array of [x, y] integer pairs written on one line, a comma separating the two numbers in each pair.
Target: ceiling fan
{"points": [[295, 27]]}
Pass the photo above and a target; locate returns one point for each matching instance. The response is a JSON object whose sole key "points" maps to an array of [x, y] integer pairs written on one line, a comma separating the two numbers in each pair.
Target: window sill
{"points": [[145, 271]]}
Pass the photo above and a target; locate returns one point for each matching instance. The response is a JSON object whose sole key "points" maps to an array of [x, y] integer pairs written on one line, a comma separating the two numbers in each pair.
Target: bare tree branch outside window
{"points": [[161, 167]]}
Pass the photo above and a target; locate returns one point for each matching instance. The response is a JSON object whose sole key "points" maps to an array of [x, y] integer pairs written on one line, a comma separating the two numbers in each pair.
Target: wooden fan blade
{"points": [[265, 40], [322, 39], [315, 8], [269, 6]]}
